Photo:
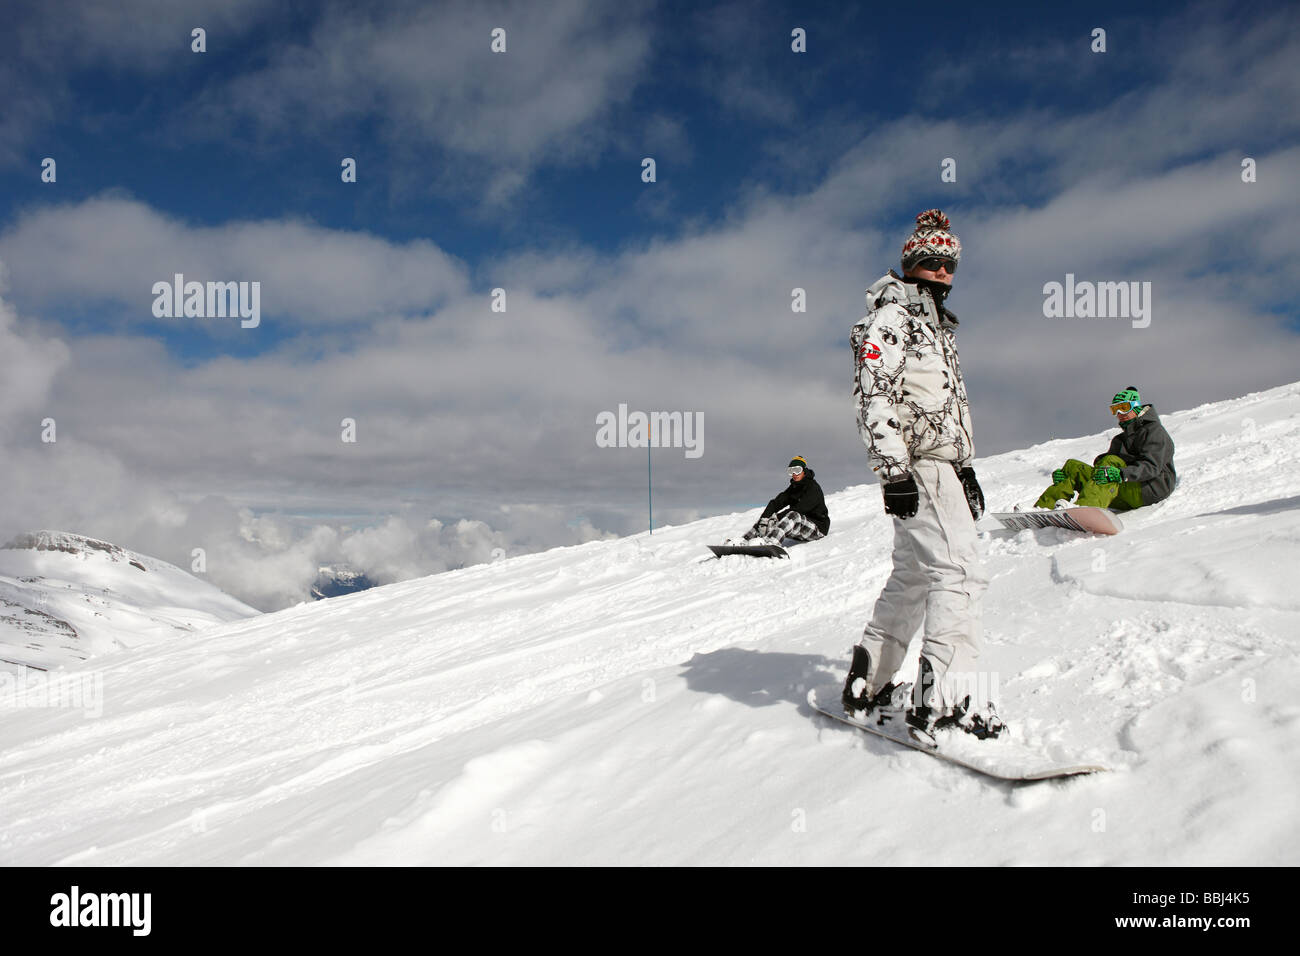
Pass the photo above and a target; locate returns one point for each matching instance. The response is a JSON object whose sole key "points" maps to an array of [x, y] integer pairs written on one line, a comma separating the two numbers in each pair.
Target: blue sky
{"points": [[522, 170], [126, 128]]}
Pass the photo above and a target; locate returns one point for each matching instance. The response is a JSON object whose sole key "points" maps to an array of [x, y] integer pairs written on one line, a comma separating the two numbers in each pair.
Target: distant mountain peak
{"points": [[71, 543], [339, 579], [65, 597]]}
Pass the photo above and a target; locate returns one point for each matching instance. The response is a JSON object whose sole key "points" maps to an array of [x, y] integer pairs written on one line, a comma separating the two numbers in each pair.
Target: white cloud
{"points": [[428, 74], [28, 366], [143, 452], [113, 249], [423, 72]]}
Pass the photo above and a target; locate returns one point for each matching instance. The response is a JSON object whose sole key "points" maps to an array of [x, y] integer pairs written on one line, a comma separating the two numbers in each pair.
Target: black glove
{"points": [[901, 497], [974, 495]]}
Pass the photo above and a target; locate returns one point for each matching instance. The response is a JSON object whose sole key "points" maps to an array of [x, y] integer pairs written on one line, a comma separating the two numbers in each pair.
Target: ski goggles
{"points": [[1119, 408], [794, 471], [935, 263]]}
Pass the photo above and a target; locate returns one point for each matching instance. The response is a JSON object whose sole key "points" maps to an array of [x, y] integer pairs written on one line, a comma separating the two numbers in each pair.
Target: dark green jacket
{"points": [[804, 496], [1149, 451]]}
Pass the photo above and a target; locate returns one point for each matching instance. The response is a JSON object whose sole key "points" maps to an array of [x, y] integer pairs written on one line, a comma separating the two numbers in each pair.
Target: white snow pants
{"points": [[938, 583]]}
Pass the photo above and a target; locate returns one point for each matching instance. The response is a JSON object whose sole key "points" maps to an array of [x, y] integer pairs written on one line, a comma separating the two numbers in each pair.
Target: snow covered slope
{"points": [[65, 597], [638, 701]]}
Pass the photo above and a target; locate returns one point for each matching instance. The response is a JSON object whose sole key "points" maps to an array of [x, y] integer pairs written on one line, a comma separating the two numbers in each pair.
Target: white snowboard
{"points": [[1003, 758], [1093, 520]]}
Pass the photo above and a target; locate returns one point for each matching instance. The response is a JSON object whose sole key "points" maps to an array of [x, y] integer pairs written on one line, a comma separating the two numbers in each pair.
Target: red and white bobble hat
{"points": [[931, 238]]}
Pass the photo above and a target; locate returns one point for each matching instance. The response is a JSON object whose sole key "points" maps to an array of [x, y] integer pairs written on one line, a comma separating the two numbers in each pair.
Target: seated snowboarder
{"points": [[798, 513], [1137, 469]]}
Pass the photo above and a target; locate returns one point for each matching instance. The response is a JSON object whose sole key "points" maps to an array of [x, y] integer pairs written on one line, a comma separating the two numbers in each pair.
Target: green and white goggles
{"points": [[794, 471]]}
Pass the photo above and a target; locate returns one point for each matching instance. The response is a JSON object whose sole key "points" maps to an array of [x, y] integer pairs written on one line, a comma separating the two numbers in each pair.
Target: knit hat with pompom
{"points": [[931, 238]]}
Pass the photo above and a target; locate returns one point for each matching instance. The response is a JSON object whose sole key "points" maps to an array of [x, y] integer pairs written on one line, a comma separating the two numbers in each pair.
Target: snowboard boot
{"points": [[927, 714], [858, 682], [888, 703]]}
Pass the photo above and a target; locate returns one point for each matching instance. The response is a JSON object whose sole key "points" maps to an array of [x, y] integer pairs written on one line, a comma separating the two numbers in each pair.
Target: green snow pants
{"points": [[1121, 496]]}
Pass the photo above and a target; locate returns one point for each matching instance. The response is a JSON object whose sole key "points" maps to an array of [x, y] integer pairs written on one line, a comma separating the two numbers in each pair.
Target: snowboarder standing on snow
{"points": [[1137, 469], [914, 418], [798, 512]]}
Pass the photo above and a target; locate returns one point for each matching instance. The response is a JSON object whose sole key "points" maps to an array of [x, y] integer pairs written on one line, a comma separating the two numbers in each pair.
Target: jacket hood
{"points": [[892, 287], [888, 288], [1147, 415]]}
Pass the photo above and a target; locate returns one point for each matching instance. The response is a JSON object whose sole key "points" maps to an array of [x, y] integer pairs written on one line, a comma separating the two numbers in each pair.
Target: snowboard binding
{"points": [[984, 724], [925, 719]]}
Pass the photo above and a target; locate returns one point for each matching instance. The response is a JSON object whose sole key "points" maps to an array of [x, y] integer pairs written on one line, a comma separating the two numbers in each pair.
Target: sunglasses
{"points": [[1119, 408], [795, 470], [935, 263]]}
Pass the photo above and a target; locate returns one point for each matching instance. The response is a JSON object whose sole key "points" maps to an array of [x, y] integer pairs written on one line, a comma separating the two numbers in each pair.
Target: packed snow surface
{"points": [[638, 701]]}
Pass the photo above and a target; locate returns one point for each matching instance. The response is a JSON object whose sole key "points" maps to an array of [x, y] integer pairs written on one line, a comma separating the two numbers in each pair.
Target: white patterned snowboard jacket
{"points": [[910, 397]]}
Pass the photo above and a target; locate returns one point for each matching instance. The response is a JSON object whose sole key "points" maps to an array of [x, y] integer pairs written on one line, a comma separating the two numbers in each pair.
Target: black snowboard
{"points": [[759, 551]]}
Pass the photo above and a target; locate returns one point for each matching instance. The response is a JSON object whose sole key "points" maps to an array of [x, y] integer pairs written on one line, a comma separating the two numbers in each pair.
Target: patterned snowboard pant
{"points": [[790, 525], [937, 586]]}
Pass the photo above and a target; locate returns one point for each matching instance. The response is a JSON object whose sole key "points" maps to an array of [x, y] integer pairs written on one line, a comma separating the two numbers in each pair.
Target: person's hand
{"points": [[1106, 474], [974, 494], [902, 498], [1059, 476]]}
